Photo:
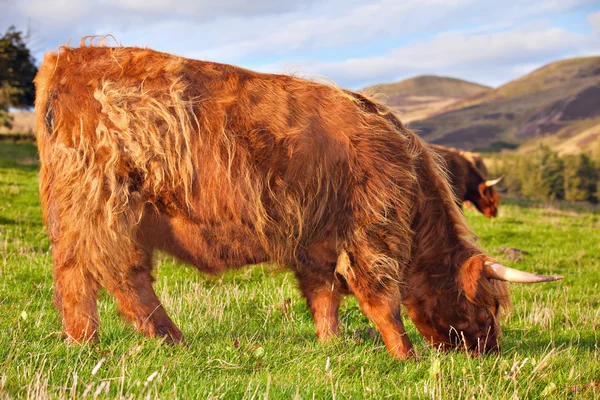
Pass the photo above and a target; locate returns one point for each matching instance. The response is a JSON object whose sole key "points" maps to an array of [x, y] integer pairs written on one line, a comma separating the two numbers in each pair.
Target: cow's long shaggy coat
{"points": [[224, 167]]}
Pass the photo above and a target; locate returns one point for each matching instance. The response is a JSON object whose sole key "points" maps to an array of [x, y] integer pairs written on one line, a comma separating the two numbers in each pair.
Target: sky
{"points": [[353, 43]]}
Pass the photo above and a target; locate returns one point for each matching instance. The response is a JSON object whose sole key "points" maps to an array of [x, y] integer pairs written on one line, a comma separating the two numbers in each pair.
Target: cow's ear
{"points": [[470, 275], [483, 189]]}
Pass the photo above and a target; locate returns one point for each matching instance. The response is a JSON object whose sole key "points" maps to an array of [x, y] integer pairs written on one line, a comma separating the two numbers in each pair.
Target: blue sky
{"points": [[353, 43]]}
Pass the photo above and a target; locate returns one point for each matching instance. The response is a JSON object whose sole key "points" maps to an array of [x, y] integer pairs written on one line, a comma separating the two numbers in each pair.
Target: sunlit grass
{"points": [[250, 335]]}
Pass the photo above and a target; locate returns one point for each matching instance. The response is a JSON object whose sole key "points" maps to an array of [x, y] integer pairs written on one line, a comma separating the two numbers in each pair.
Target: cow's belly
{"points": [[211, 246]]}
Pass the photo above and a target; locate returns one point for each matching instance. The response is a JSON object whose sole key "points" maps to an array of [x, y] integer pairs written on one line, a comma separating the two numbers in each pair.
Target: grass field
{"points": [[250, 335]]}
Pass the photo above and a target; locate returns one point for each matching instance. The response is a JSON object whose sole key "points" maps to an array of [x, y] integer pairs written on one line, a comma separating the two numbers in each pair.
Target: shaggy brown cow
{"points": [[224, 167], [468, 182]]}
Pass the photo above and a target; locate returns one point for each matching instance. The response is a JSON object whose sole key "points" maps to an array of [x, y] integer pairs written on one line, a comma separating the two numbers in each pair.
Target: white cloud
{"points": [[353, 42], [594, 20], [497, 55], [321, 30], [53, 15], [122, 11], [344, 25]]}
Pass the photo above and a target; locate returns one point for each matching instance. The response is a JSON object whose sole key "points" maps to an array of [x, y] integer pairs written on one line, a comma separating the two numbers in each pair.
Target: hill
{"points": [[430, 85], [424, 96], [559, 100]]}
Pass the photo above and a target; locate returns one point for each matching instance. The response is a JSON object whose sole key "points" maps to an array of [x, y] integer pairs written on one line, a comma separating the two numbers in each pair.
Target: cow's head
{"points": [[488, 200], [462, 312]]}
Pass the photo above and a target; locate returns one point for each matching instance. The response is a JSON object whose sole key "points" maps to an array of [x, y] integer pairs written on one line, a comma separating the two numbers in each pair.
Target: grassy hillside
{"points": [[560, 100], [578, 73], [585, 137], [250, 335], [23, 122], [424, 96]]}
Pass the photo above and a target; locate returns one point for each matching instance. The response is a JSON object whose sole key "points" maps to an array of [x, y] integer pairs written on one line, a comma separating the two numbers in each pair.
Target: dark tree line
{"points": [[547, 176], [17, 70]]}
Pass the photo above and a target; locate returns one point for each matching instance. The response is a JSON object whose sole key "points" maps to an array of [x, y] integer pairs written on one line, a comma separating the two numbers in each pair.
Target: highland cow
{"points": [[468, 181], [476, 160], [224, 167]]}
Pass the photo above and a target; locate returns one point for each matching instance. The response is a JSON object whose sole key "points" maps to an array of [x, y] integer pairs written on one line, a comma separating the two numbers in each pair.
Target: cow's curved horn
{"points": [[493, 182], [500, 272]]}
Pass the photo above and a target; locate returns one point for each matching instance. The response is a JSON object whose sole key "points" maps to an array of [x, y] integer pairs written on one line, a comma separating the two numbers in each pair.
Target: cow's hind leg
{"points": [[379, 299], [138, 302], [323, 298]]}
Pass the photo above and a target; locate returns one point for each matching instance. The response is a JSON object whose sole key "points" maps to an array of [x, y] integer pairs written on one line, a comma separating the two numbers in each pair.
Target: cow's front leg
{"points": [[379, 299], [75, 297], [138, 302], [323, 299]]}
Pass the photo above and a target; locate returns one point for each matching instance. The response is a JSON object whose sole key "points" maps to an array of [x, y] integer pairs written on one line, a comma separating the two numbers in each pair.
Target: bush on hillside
{"points": [[581, 179], [545, 175]]}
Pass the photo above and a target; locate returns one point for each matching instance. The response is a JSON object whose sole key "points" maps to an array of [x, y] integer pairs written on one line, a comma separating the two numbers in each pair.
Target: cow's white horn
{"points": [[503, 273], [493, 182]]}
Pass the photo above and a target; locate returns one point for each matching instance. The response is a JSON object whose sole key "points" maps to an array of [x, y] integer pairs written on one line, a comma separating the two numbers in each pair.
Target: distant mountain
{"points": [[554, 103], [424, 96], [430, 85]]}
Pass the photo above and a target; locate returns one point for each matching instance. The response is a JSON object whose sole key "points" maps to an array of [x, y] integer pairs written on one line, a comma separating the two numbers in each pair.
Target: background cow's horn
{"points": [[493, 182], [500, 272]]}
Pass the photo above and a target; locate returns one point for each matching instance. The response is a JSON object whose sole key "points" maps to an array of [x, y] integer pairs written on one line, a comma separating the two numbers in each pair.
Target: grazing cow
{"points": [[468, 182], [476, 160], [223, 167]]}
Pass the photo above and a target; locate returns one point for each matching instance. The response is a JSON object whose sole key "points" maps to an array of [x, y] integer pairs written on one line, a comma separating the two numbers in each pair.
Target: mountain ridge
{"points": [[424, 95], [558, 100]]}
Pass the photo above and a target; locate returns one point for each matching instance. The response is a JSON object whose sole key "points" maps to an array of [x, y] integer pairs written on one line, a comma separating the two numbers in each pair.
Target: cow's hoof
{"points": [[80, 339]]}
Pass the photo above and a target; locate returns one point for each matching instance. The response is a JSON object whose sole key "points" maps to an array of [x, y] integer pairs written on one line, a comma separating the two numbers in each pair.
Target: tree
{"points": [[581, 178], [17, 70], [552, 170], [529, 175], [542, 175]]}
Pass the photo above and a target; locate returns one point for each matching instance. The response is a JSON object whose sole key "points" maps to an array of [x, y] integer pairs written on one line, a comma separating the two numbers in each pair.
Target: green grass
{"points": [[250, 335]]}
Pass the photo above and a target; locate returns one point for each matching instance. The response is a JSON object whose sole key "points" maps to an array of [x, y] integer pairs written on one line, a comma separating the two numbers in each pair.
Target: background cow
{"points": [[224, 167], [467, 180], [476, 160]]}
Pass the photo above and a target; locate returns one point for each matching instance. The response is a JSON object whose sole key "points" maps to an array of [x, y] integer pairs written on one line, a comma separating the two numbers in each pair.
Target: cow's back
{"points": [[294, 161]]}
